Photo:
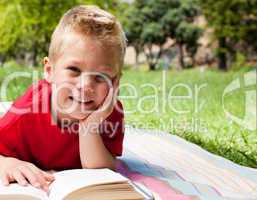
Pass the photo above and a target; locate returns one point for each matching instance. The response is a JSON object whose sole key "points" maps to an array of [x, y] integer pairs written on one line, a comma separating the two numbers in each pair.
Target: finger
{"points": [[18, 176], [41, 178], [32, 177], [5, 179], [106, 102], [109, 100], [49, 177], [116, 89], [115, 82], [115, 95]]}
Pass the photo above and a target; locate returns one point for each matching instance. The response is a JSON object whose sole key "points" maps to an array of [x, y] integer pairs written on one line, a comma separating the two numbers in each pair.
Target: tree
{"points": [[132, 27], [149, 24], [11, 28], [235, 25], [178, 23], [153, 34], [26, 26]]}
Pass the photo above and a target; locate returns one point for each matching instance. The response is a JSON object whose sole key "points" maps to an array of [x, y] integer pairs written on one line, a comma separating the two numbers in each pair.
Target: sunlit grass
{"points": [[203, 122]]}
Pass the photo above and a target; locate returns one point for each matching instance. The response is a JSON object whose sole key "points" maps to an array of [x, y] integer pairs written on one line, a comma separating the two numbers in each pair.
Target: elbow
{"points": [[92, 165]]}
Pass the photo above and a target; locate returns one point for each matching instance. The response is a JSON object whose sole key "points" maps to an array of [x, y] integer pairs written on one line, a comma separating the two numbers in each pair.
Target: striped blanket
{"points": [[175, 169]]}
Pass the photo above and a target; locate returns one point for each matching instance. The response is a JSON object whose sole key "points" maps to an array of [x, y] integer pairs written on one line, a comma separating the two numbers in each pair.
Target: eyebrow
{"points": [[107, 75], [77, 64]]}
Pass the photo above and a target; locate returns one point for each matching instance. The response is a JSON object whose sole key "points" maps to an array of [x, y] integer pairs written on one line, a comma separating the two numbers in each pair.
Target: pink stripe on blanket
{"points": [[164, 190]]}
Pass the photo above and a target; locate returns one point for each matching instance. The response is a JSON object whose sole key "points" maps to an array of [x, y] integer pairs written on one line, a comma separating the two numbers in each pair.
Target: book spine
{"points": [[142, 190]]}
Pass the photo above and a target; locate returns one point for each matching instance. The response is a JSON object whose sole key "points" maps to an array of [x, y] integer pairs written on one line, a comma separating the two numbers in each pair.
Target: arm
{"points": [[93, 153]]}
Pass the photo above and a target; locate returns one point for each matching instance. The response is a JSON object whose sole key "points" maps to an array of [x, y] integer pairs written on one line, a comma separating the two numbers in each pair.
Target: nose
{"points": [[85, 84]]}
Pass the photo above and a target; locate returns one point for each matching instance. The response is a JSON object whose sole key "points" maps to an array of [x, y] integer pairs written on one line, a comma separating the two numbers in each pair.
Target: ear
{"points": [[48, 69]]}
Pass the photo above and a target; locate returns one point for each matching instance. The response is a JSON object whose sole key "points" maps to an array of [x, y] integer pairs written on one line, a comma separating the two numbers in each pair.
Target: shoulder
{"points": [[34, 100], [27, 105], [34, 97], [13, 120]]}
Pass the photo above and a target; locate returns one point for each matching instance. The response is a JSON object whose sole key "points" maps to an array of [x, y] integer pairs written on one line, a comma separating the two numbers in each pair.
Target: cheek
{"points": [[61, 98], [62, 91], [101, 92]]}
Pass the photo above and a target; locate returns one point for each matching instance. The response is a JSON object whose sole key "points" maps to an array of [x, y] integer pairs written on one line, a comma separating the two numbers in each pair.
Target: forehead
{"points": [[88, 52]]}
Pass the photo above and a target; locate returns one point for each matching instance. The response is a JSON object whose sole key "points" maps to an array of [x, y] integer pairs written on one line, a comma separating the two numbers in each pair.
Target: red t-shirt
{"points": [[31, 136]]}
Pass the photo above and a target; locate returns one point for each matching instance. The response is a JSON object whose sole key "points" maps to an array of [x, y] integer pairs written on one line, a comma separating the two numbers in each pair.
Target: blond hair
{"points": [[90, 21]]}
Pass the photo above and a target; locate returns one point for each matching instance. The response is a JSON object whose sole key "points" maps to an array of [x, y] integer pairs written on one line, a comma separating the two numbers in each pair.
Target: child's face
{"points": [[79, 75]]}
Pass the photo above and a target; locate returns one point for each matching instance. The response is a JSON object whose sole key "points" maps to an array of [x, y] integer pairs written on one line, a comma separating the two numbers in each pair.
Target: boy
{"points": [[70, 119]]}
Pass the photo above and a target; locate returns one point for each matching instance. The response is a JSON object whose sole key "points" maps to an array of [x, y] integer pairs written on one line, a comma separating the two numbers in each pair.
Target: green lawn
{"points": [[204, 121]]}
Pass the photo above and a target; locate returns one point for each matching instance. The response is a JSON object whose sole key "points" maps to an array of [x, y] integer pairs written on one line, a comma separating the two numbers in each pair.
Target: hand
{"points": [[104, 110], [23, 172]]}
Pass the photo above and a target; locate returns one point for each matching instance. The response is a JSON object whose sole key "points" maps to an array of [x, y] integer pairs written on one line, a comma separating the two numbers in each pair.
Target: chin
{"points": [[79, 116]]}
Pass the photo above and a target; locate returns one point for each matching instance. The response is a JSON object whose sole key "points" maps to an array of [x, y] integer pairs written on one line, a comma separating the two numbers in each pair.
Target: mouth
{"points": [[81, 101]]}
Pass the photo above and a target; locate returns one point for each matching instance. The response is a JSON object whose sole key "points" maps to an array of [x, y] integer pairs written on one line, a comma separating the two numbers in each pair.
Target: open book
{"points": [[79, 184]]}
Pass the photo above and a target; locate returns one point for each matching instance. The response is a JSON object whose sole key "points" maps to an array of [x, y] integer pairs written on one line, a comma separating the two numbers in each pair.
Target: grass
{"points": [[203, 122]]}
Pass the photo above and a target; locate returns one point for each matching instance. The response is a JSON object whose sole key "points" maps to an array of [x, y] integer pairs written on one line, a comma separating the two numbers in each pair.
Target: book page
{"points": [[70, 180], [15, 189]]}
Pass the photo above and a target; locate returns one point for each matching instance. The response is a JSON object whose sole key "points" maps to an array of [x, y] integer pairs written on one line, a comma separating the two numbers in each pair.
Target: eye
{"points": [[74, 70], [100, 78]]}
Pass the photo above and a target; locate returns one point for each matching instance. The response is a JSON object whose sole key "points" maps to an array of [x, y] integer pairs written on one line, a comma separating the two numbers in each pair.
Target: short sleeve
{"points": [[112, 130], [9, 135]]}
